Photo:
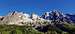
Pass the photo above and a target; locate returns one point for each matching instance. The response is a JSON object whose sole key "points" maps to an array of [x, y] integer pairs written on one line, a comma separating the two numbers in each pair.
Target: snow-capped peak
{"points": [[26, 15]]}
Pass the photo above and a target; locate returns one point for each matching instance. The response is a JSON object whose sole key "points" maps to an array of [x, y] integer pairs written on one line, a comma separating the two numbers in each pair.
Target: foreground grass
{"points": [[13, 29]]}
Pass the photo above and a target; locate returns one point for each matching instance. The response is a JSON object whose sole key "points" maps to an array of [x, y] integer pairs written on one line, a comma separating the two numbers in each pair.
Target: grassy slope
{"points": [[13, 29]]}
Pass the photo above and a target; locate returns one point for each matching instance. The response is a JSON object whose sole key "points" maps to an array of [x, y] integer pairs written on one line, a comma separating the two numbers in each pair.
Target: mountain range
{"points": [[53, 19]]}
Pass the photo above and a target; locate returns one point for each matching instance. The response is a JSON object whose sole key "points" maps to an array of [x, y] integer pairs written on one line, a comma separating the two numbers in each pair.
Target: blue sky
{"points": [[37, 6]]}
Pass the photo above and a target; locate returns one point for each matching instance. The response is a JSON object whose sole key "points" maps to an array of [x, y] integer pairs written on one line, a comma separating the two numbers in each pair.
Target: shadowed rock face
{"points": [[1, 18], [57, 15]]}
